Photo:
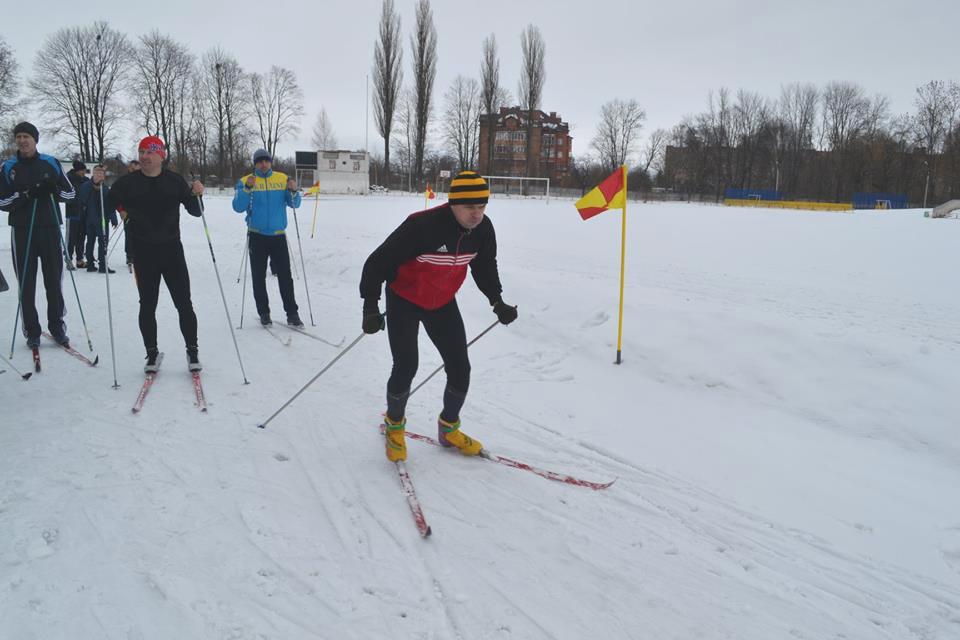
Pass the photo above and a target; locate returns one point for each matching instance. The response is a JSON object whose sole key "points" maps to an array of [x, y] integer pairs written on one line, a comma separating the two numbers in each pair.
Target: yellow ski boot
{"points": [[451, 436], [396, 443]]}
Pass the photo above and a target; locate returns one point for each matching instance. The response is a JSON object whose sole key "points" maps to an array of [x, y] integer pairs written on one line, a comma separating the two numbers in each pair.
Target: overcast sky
{"points": [[666, 54]]}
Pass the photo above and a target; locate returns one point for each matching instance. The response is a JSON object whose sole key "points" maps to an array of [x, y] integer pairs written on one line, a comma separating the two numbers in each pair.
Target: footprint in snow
{"points": [[279, 457], [596, 320]]}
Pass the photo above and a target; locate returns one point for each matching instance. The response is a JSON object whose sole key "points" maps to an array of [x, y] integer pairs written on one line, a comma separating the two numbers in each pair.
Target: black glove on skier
{"points": [[505, 313], [372, 319]]}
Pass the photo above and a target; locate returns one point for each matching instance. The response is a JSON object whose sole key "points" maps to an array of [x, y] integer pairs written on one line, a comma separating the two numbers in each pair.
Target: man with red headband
{"points": [[150, 202]]}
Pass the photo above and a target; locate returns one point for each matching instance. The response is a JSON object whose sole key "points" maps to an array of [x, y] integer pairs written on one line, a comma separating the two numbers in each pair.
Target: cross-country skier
{"points": [[424, 263], [149, 201], [264, 196], [30, 183]]}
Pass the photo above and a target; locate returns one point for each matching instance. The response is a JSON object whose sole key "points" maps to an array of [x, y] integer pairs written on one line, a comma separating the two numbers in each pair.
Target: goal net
{"points": [[519, 186]]}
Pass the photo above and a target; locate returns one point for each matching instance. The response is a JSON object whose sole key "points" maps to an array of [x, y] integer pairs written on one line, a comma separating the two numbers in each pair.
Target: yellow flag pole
{"points": [[316, 201], [426, 199], [623, 254]]}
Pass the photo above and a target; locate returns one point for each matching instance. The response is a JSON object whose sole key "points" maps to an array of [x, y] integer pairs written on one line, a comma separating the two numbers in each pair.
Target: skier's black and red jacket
{"points": [[425, 260]]}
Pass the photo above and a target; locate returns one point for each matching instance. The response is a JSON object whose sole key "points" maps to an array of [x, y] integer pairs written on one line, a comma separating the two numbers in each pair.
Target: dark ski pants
{"points": [[150, 264], [76, 233], [95, 236], [275, 248], [445, 329], [45, 255]]}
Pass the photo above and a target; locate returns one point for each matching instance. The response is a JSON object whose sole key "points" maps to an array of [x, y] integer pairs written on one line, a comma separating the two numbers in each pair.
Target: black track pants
{"points": [[151, 263], [45, 255], [445, 329], [275, 248]]}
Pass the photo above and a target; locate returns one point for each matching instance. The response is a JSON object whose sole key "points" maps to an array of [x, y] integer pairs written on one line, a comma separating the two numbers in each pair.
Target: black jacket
{"points": [[25, 182], [152, 205], [72, 208], [425, 260]]}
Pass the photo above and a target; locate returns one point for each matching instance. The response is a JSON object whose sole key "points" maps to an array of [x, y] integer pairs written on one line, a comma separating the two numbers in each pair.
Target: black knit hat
{"points": [[78, 165], [29, 129], [469, 187]]}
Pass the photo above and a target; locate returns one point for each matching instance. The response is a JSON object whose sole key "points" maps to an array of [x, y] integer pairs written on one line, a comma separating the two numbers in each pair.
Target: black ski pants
{"points": [[43, 254], [444, 327], [151, 263], [95, 236], [275, 248], [76, 232]]}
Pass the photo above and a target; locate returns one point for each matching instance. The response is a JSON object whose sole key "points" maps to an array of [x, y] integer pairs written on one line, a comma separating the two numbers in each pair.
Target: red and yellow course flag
{"points": [[609, 194], [429, 193]]}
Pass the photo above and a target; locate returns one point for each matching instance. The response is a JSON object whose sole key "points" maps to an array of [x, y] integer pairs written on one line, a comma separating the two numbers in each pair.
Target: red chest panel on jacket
{"points": [[431, 280]]}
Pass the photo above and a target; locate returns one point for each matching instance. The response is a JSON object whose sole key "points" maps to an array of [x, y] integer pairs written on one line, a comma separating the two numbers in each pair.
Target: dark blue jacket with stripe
{"points": [[30, 189]]}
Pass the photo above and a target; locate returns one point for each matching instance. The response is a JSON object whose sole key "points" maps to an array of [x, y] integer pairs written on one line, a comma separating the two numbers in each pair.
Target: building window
{"points": [[356, 166], [332, 164]]}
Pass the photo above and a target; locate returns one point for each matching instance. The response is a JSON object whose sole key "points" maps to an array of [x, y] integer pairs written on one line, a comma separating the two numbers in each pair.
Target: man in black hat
{"points": [[74, 215], [31, 183]]}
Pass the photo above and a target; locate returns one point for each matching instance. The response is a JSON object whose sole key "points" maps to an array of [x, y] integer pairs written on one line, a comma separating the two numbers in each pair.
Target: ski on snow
{"points": [[147, 383], [273, 333], [306, 333], [76, 354], [516, 464], [198, 391], [36, 359], [414, 503]]}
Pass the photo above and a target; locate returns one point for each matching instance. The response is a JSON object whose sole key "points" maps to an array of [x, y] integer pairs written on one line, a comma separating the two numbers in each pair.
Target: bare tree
{"points": [[617, 133], [797, 117], [533, 74], [77, 75], [652, 153], [323, 137], [492, 95], [159, 89], [423, 42], [199, 126], [226, 86], [845, 115], [405, 133], [9, 85], [936, 111], [277, 105], [387, 77], [461, 120]]}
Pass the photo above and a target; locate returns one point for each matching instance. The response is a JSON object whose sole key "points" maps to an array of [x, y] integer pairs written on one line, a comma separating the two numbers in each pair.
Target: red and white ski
{"points": [[198, 392], [407, 484], [516, 464], [76, 354], [147, 383]]}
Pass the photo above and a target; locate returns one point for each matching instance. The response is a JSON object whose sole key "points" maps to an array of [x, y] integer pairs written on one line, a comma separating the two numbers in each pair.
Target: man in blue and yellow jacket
{"points": [[264, 196]]}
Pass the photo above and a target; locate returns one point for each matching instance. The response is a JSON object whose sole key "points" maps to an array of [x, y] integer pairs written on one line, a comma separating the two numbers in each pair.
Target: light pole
{"points": [[926, 188]]}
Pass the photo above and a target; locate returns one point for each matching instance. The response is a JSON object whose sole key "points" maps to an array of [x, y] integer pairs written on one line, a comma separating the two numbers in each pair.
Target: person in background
{"points": [[264, 196], [92, 195], [74, 215]]}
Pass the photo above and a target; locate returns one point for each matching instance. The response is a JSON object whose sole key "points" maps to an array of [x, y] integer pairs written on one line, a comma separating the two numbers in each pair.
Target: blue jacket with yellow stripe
{"points": [[266, 204]]}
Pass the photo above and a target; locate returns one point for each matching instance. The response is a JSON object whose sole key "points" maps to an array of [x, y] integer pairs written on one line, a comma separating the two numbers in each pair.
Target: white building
{"points": [[338, 171]]}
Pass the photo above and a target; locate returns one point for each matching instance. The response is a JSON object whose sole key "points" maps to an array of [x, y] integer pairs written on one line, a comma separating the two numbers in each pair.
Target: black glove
{"points": [[505, 313], [372, 319]]}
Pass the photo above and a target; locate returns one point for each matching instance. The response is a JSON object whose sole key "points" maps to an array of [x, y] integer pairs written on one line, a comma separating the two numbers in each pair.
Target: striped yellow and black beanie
{"points": [[469, 187]]}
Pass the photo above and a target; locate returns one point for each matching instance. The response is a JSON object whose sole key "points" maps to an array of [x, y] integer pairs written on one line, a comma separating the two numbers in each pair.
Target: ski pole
{"points": [[63, 248], [25, 376], [303, 267], [437, 370], [293, 262], [243, 264], [263, 425], [216, 270], [123, 232], [316, 201], [23, 275], [243, 294], [105, 238]]}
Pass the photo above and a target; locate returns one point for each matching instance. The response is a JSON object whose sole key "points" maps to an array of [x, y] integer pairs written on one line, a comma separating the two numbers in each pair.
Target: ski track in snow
{"points": [[174, 523]]}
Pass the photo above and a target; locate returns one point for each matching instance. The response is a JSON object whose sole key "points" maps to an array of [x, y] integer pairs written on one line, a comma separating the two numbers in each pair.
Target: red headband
{"points": [[153, 144]]}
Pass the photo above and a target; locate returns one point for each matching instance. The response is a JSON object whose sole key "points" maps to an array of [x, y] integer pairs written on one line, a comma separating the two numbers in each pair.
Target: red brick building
{"points": [[550, 141]]}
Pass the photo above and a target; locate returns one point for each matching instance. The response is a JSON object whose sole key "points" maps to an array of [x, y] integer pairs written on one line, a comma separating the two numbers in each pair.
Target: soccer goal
{"points": [[883, 204], [519, 186]]}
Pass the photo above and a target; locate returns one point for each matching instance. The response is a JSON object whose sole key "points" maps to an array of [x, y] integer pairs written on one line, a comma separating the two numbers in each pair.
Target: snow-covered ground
{"points": [[783, 432]]}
